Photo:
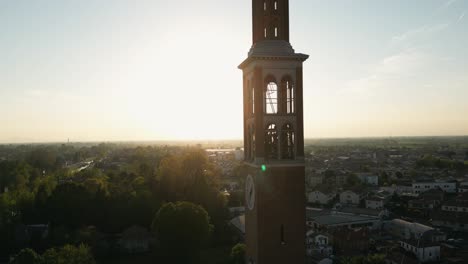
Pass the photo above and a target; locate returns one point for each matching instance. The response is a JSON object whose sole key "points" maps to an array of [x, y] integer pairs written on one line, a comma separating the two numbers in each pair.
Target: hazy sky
{"points": [[150, 70]]}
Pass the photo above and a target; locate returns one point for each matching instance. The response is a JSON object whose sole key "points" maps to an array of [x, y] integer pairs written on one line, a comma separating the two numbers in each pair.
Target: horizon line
{"points": [[198, 141]]}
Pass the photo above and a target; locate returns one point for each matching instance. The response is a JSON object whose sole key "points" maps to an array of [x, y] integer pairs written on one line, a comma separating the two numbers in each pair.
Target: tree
{"points": [[27, 256], [183, 229], [190, 176], [352, 180], [238, 254], [69, 205], [330, 177], [370, 259], [69, 255]]}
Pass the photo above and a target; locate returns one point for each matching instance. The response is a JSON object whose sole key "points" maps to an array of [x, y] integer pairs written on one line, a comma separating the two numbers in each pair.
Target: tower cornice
{"points": [[295, 57]]}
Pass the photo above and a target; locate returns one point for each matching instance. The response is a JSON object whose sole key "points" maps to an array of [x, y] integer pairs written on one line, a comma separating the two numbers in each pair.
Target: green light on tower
{"points": [[264, 168]]}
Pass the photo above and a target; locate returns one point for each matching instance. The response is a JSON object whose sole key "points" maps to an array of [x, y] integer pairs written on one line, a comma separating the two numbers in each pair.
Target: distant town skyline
{"points": [[116, 70]]}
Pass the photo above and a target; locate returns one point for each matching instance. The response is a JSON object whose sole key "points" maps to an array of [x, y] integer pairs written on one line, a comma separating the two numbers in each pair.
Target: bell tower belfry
{"points": [[274, 140]]}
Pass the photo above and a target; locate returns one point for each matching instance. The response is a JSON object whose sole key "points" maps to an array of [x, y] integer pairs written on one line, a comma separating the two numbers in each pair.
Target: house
{"points": [[400, 255], [369, 179], [321, 196], [238, 224], [375, 202], [424, 248], [135, 239], [453, 214], [455, 221], [348, 241], [460, 204], [30, 234], [422, 204], [434, 194], [463, 187], [332, 219], [350, 197], [315, 180], [406, 230], [318, 244], [420, 187], [427, 200], [398, 189]]}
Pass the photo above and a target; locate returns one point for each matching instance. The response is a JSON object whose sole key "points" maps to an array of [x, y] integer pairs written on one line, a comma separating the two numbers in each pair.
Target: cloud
{"points": [[35, 93], [410, 37], [461, 16], [449, 3], [391, 71]]}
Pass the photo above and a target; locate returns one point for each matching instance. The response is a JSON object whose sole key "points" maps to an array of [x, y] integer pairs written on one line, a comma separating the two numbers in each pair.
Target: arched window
{"points": [[264, 5], [287, 142], [289, 97], [271, 98], [276, 5], [253, 100], [271, 142], [273, 29], [252, 143]]}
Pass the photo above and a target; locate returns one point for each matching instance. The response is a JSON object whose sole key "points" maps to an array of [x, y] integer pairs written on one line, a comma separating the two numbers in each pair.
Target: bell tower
{"points": [[274, 140]]}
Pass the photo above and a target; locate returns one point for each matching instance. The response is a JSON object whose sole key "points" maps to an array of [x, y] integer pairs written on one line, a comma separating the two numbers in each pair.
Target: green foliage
{"points": [[124, 187], [69, 205], [44, 158], [16, 175], [27, 256], [238, 254], [371, 259], [330, 177], [191, 177], [69, 255], [353, 181], [430, 161], [183, 229]]}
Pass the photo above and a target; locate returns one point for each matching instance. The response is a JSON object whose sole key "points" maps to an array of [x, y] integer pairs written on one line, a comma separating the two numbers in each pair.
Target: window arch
{"points": [[271, 142], [287, 142], [274, 30], [252, 100], [271, 97], [289, 96], [252, 142]]}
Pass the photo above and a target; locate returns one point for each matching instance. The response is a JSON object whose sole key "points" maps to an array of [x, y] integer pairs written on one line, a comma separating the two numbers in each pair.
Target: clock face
{"points": [[250, 192]]}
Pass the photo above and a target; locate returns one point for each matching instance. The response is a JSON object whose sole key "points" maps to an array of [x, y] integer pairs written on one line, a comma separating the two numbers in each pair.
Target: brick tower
{"points": [[274, 140]]}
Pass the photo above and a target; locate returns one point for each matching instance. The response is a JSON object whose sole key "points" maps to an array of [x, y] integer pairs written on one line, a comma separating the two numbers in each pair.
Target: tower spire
{"points": [[270, 20]]}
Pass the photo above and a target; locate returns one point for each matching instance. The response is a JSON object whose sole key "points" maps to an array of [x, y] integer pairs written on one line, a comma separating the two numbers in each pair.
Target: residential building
{"points": [[352, 197], [321, 196], [424, 248], [427, 200], [135, 239], [420, 187], [369, 179], [347, 241], [406, 230], [453, 214], [463, 187], [331, 219], [318, 243], [375, 202]]}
